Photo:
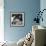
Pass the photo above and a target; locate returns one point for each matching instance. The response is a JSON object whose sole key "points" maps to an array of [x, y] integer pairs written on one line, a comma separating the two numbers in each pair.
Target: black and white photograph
{"points": [[17, 19]]}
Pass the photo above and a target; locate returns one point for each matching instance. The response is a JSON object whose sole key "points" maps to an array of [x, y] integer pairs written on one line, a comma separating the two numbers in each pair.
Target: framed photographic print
{"points": [[17, 19]]}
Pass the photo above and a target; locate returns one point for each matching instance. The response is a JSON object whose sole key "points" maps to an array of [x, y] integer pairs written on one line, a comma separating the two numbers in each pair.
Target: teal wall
{"points": [[29, 7], [43, 6]]}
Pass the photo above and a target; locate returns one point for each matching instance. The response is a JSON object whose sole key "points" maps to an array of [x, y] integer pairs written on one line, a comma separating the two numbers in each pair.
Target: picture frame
{"points": [[17, 19]]}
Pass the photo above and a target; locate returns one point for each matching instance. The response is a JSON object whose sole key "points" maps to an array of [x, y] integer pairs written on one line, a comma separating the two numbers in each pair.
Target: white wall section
{"points": [[1, 20]]}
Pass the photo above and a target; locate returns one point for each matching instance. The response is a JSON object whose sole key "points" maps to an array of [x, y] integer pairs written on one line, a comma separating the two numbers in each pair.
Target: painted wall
{"points": [[43, 6], [29, 7], [1, 21]]}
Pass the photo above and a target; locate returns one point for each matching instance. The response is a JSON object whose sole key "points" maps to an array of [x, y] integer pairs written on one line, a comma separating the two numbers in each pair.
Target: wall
{"points": [[43, 6], [29, 7], [1, 21]]}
